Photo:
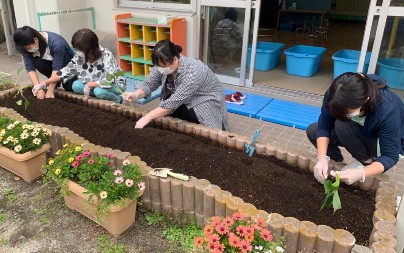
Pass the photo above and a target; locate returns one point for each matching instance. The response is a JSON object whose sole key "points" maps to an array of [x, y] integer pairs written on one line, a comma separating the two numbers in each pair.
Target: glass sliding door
{"points": [[224, 28]]}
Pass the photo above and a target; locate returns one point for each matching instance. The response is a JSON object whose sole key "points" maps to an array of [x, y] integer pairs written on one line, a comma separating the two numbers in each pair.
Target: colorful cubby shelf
{"points": [[137, 38]]}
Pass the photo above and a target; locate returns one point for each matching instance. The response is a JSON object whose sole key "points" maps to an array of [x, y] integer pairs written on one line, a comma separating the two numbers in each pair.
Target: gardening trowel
{"points": [[164, 172]]}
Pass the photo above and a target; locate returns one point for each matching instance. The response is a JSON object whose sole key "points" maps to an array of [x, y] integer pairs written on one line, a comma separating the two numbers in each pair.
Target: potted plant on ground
{"points": [[96, 187], [23, 147], [237, 234]]}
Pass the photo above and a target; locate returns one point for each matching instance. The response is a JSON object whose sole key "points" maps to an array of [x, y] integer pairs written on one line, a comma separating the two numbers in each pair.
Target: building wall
{"points": [[105, 11]]}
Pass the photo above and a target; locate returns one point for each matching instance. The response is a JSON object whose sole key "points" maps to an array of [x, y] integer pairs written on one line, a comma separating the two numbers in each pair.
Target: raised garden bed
{"points": [[266, 182]]}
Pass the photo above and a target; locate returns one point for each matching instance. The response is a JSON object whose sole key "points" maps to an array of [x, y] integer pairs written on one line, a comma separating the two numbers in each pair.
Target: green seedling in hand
{"points": [[331, 192]]}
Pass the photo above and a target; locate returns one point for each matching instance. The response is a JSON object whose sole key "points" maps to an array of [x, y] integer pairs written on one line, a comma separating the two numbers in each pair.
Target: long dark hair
{"points": [[350, 91], [25, 36], [164, 52], [86, 41]]}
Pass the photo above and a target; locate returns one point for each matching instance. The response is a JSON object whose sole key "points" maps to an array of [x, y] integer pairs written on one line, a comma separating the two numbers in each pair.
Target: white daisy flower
{"points": [[37, 141], [279, 249], [15, 141], [24, 135], [126, 162], [35, 134], [10, 138], [9, 127], [30, 127], [5, 142], [17, 148], [25, 126], [36, 129]]}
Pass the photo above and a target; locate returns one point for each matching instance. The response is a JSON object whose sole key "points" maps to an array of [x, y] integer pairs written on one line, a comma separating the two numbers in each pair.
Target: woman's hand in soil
{"points": [[321, 168], [142, 122], [350, 176], [130, 96], [38, 87]]}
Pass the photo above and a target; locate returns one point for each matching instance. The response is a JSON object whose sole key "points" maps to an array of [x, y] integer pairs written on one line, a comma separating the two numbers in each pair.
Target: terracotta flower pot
{"points": [[117, 220], [27, 165]]}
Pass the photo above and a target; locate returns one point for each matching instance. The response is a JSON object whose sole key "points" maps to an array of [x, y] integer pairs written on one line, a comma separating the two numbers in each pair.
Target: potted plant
{"points": [[237, 234], [23, 147], [96, 187]]}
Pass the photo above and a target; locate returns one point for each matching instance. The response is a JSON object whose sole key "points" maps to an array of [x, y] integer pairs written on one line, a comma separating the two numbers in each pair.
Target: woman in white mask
{"points": [[45, 52], [359, 113], [191, 91]]}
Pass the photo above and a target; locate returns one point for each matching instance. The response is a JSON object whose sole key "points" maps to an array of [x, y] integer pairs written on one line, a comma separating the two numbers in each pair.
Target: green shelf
{"points": [[138, 77], [138, 60], [125, 39]]}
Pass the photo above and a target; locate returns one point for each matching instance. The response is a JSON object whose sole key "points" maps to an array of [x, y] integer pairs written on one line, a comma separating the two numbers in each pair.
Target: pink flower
{"points": [[79, 157], [228, 221], [110, 155], [238, 216], [245, 246], [129, 182], [91, 161], [126, 162], [111, 163], [86, 153], [266, 235], [214, 239], [234, 240], [222, 229], [240, 230], [118, 180], [249, 230], [142, 186], [260, 222], [75, 164], [215, 220], [117, 172], [208, 230], [198, 242], [217, 250]]}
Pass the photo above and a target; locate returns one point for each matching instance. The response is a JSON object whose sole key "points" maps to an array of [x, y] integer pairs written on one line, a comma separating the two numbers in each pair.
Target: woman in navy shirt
{"points": [[46, 52], [359, 113]]}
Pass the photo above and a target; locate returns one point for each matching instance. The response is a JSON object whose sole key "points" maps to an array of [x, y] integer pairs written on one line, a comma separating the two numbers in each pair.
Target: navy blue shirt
{"points": [[58, 49], [386, 124]]}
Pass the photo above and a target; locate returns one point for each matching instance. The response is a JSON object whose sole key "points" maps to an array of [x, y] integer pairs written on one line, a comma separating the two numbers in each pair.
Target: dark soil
{"points": [[266, 182]]}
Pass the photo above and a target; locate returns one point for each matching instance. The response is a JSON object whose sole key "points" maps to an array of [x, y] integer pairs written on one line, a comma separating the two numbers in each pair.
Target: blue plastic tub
{"points": [[304, 60], [267, 56], [392, 70], [347, 61]]}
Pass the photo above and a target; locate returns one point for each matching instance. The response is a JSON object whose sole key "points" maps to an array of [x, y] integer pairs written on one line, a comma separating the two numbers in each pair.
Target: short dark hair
{"points": [[25, 36], [231, 14], [164, 52], [86, 41], [350, 91]]}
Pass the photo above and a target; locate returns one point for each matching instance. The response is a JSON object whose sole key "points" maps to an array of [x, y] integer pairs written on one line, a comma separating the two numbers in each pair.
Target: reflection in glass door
{"points": [[224, 38]]}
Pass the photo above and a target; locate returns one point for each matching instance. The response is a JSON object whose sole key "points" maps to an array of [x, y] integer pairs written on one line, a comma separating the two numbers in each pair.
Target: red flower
{"points": [[215, 220], [198, 241], [260, 222], [86, 153], [110, 155], [111, 163], [241, 230], [266, 235], [79, 157], [248, 230], [75, 164], [91, 161], [228, 221]]}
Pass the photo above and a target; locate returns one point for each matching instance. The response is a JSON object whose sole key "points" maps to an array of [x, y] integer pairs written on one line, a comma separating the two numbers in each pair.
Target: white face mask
{"points": [[355, 113], [80, 54], [33, 50], [165, 70]]}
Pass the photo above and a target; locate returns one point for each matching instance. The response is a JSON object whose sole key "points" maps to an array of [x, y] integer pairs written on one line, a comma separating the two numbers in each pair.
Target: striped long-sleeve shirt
{"points": [[196, 87]]}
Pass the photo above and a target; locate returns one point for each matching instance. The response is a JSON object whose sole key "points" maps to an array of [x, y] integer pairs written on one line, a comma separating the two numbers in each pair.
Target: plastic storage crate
{"points": [[267, 56], [304, 60], [392, 70], [347, 61]]}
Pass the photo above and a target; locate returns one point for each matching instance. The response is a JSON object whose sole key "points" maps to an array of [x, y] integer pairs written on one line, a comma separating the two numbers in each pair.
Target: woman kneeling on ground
{"points": [[359, 113], [190, 89], [46, 52], [91, 65]]}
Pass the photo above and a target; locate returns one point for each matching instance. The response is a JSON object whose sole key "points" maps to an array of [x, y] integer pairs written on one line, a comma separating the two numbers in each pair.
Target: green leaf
{"points": [[327, 186], [335, 185], [328, 200], [26, 104], [19, 102], [109, 76], [19, 70], [336, 202]]}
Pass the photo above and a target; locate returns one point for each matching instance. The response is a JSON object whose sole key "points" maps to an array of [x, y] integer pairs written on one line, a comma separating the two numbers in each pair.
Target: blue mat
{"points": [[131, 87], [289, 113], [252, 104]]}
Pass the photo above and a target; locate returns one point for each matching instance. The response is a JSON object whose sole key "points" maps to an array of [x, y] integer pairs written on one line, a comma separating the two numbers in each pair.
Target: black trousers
{"points": [[45, 68], [349, 135], [184, 113]]}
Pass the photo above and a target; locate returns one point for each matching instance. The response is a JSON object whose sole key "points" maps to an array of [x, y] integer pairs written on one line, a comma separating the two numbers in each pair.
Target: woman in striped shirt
{"points": [[190, 89]]}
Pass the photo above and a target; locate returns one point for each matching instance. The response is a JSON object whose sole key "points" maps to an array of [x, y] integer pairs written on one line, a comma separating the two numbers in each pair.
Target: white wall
{"points": [[105, 11]]}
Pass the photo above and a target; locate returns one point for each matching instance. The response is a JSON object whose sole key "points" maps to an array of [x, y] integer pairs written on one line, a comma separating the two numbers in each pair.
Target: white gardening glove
{"points": [[130, 96], [321, 168], [350, 176], [38, 87], [86, 91], [142, 122], [121, 82]]}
